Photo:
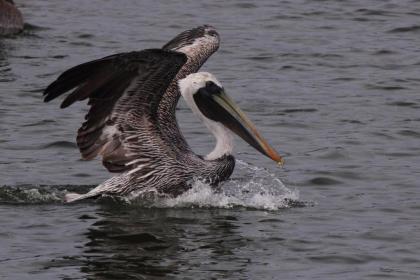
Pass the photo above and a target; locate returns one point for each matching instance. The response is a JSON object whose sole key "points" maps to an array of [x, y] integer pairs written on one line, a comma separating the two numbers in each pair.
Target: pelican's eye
{"points": [[212, 88]]}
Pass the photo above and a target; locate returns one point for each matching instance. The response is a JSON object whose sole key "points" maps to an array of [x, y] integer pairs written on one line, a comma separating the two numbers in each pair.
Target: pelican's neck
{"points": [[224, 138]]}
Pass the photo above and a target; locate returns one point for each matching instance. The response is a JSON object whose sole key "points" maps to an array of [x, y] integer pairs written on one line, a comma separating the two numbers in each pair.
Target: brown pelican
{"points": [[11, 20], [131, 122]]}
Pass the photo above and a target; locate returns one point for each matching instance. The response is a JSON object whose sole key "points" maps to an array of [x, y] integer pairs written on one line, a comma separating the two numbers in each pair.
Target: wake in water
{"points": [[37, 194], [252, 187], [257, 189]]}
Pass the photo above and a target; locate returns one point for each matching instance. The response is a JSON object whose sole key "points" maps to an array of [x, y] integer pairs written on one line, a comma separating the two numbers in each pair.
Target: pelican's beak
{"points": [[215, 104]]}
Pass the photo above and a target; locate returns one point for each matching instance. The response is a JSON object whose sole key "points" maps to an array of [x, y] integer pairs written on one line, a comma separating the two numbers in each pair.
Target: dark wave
{"points": [[411, 133], [300, 110], [413, 28], [404, 104], [384, 87], [324, 181], [371, 12], [61, 144]]}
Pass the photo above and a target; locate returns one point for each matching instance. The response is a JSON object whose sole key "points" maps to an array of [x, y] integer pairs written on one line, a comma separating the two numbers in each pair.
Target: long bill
{"points": [[220, 107]]}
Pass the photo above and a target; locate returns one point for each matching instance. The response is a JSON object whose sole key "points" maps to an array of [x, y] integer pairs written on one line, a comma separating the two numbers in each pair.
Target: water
{"points": [[333, 84]]}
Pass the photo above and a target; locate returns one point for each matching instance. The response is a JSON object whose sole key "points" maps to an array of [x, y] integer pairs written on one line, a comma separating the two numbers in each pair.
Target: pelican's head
{"points": [[203, 39], [207, 99]]}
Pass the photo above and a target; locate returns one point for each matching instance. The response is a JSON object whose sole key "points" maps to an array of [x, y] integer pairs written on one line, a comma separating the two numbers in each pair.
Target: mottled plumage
{"points": [[131, 122]]}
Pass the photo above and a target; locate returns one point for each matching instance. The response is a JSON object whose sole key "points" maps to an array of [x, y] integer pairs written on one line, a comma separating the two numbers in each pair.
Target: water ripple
{"points": [[412, 28]]}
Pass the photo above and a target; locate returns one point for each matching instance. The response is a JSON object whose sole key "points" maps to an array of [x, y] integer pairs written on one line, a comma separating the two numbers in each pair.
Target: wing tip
{"points": [[66, 103], [47, 99], [52, 91]]}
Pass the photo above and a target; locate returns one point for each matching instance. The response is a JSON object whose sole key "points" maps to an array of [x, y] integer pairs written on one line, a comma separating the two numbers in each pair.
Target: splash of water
{"points": [[257, 188], [252, 187], [30, 195]]}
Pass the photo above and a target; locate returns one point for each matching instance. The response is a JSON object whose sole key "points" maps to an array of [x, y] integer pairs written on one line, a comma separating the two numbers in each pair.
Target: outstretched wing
{"points": [[124, 92]]}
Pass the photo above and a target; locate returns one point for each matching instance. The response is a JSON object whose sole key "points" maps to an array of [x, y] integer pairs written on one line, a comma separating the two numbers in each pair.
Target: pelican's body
{"points": [[132, 124], [11, 20]]}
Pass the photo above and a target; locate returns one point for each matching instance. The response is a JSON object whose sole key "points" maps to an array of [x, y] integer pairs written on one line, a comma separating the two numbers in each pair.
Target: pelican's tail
{"points": [[114, 185], [72, 197], [93, 193]]}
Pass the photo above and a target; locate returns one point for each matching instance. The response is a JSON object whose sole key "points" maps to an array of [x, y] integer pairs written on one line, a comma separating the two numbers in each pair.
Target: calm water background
{"points": [[333, 84]]}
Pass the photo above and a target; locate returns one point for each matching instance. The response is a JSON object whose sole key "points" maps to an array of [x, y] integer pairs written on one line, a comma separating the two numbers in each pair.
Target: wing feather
{"points": [[124, 92]]}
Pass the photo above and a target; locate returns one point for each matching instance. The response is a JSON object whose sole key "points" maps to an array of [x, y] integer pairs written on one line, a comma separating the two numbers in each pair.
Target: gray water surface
{"points": [[334, 85]]}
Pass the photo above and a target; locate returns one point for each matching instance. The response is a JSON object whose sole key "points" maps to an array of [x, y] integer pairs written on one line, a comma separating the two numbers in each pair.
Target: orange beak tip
{"points": [[280, 163]]}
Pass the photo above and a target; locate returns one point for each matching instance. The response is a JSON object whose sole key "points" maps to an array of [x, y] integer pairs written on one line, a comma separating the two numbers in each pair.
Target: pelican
{"points": [[131, 122], [11, 20]]}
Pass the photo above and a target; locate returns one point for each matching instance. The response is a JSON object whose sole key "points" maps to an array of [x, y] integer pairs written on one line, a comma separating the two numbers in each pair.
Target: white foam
{"points": [[260, 190], [35, 196], [252, 187], [202, 195]]}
